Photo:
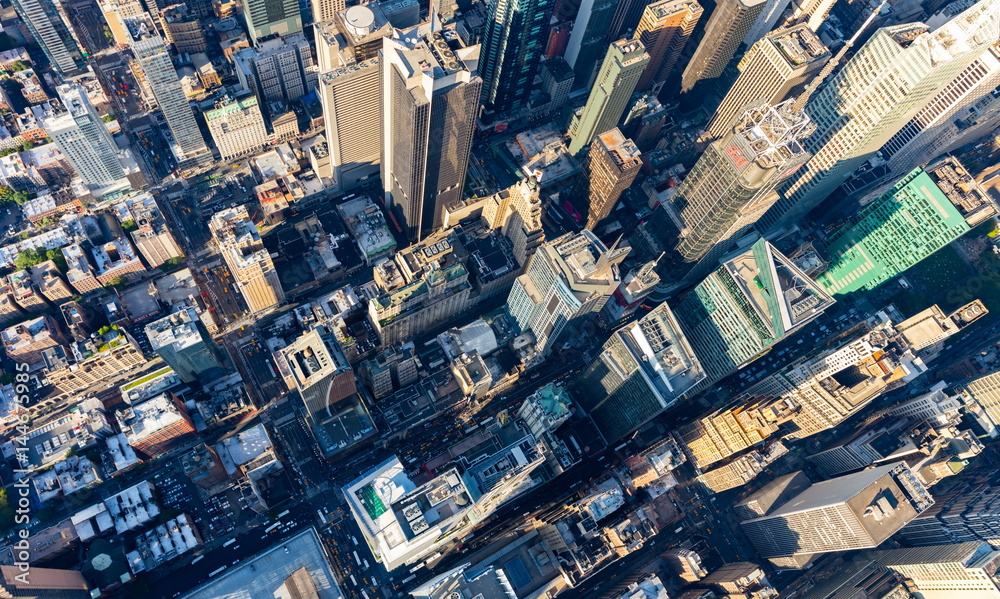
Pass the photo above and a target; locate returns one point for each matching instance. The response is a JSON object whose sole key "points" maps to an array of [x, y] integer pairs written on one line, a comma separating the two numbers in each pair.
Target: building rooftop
{"points": [[798, 44], [262, 576], [622, 150], [962, 190], [368, 227], [24, 334], [179, 330], [147, 418]]}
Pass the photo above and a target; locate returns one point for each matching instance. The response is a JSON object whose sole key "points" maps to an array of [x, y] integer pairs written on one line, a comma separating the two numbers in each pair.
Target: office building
{"points": [[746, 306], [985, 391], [277, 70], [772, 70], [513, 44], [608, 169], [269, 19], [247, 258], [665, 28], [237, 126], [42, 583], [855, 114], [391, 370], [98, 359], [920, 214], [567, 280], [771, 496], [49, 25], [183, 29], [966, 109], [49, 282], [588, 40], [959, 571], [156, 425], [642, 370], [325, 381], [725, 433], [623, 65], [731, 186], [404, 523], [730, 22], [349, 90], [431, 91], [325, 10], [856, 511], [152, 237], [81, 136], [159, 74], [184, 344]]}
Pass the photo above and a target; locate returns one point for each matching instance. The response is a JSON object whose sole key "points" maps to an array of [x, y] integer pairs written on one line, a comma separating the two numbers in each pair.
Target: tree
{"points": [[108, 118], [8, 195], [128, 225], [29, 258], [57, 257], [170, 263], [19, 65], [6, 511], [115, 283]]}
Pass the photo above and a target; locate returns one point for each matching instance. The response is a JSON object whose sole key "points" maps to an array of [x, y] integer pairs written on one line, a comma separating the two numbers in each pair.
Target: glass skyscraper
{"points": [[513, 45]]}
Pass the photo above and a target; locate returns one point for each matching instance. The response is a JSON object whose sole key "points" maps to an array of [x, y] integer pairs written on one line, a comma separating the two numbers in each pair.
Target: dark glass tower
{"points": [[513, 45]]}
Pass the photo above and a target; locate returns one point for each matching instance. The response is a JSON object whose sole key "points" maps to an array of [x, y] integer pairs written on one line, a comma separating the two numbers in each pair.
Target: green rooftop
{"points": [[230, 108], [371, 501]]}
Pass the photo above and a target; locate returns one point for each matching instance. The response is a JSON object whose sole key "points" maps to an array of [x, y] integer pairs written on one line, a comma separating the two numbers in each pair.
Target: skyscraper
{"points": [[960, 571], [513, 44], [731, 186], [431, 93], [725, 30], [567, 280], [643, 369], [45, 20], [985, 391], [158, 71], [81, 136], [664, 30], [623, 64], [964, 111], [746, 306], [609, 168], [349, 92], [857, 112], [324, 10], [923, 212], [277, 70], [770, 71], [183, 343], [237, 126], [588, 39], [247, 258], [269, 18], [856, 511]]}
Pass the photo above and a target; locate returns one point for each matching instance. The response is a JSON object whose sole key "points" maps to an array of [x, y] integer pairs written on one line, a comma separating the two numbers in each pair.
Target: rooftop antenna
{"points": [[800, 102]]}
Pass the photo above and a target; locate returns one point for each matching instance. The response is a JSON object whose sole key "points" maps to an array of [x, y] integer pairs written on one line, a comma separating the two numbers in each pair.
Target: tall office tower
{"points": [[183, 343], [856, 511], [567, 280], [815, 11], [269, 18], [608, 169], [627, 15], [588, 40], [771, 70], [513, 44], [856, 113], [746, 306], [45, 21], [42, 583], [325, 10], [247, 259], [964, 111], [183, 29], [622, 67], [664, 30], [81, 136], [732, 185], [724, 433], [431, 94], [960, 571], [158, 70], [237, 126], [769, 16], [985, 391], [643, 369], [923, 212], [349, 92], [724, 32], [326, 384], [277, 70]]}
